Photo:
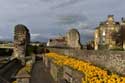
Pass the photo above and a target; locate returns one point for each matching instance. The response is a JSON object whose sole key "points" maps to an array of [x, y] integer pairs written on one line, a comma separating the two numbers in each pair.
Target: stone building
{"points": [[73, 39], [70, 40], [57, 42], [21, 41], [108, 34]]}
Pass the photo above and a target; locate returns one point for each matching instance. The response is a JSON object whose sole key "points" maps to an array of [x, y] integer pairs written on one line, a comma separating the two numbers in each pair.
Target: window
{"points": [[103, 34]]}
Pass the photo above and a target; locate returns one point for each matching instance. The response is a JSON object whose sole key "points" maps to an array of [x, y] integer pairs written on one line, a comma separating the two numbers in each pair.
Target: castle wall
{"points": [[113, 61]]}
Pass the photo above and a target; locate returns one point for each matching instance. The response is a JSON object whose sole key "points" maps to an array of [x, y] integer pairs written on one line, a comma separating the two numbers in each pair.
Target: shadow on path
{"points": [[39, 75]]}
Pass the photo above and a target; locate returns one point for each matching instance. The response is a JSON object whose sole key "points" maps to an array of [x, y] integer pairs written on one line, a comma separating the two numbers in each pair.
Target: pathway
{"points": [[39, 75]]}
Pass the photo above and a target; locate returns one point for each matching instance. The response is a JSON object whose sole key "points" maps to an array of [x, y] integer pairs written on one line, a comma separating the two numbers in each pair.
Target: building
{"points": [[109, 34], [70, 40], [57, 42]]}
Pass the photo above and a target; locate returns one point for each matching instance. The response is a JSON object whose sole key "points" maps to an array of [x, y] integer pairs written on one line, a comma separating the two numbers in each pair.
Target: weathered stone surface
{"points": [[114, 61], [71, 75], [73, 39], [110, 34], [56, 72], [21, 41]]}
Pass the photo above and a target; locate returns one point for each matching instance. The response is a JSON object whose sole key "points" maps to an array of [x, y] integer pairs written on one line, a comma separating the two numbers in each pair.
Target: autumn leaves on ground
{"points": [[92, 74]]}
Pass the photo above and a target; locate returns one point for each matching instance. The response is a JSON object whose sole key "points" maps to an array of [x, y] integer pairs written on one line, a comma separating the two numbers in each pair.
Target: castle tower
{"points": [[21, 41], [73, 39]]}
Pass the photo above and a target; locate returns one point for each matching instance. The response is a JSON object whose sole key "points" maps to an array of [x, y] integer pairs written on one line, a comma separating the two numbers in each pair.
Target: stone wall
{"points": [[114, 61], [62, 74], [21, 41]]}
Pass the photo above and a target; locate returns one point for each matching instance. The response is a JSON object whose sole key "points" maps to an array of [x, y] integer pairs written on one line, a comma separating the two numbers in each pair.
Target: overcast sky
{"points": [[49, 18]]}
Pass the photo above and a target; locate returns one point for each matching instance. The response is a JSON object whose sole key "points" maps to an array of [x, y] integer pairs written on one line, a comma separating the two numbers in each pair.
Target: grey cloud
{"points": [[66, 3], [70, 19], [42, 36], [1, 37], [52, 17]]}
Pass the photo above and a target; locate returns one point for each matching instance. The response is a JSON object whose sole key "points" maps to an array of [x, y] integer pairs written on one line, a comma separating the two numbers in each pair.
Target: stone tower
{"points": [[21, 41], [73, 39]]}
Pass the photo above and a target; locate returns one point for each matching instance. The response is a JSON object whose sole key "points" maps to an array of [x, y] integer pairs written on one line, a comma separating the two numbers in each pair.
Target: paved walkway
{"points": [[39, 75]]}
